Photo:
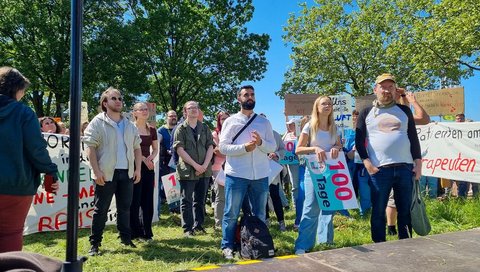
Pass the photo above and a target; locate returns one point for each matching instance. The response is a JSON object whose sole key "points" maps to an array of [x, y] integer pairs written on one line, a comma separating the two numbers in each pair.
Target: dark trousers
{"points": [[143, 198], [122, 187], [277, 202], [192, 203], [13, 212]]}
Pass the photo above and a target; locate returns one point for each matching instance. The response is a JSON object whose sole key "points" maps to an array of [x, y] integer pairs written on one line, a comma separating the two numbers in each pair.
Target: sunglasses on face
{"points": [[113, 98]]}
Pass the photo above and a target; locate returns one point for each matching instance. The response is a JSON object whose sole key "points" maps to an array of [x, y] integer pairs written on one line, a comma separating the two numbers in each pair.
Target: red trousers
{"points": [[13, 211]]}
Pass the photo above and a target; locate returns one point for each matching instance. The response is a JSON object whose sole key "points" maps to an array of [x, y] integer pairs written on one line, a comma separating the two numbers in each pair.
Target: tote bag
{"points": [[420, 222]]}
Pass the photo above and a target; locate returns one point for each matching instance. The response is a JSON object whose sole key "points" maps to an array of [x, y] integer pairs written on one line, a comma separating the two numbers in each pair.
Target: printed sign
{"points": [[442, 102], [451, 150], [331, 182], [289, 156], [171, 187], [48, 211]]}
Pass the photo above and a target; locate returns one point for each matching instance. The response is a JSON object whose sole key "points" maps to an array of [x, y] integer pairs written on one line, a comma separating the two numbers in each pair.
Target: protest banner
{"points": [[48, 211], [332, 182], [448, 101], [289, 157], [451, 150], [302, 104], [171, 187]]}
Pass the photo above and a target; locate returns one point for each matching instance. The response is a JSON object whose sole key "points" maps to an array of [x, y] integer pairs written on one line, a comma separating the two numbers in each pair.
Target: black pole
{"points": [[72, 262]]}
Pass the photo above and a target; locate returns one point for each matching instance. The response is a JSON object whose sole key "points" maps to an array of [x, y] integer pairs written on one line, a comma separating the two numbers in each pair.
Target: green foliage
{"points": [[170, 251], [197, 50], [342, 45], [171, 51]]}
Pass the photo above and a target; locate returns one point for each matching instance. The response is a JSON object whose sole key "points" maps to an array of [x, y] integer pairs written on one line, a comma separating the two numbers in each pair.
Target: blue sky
{"points": [[270, 17]]}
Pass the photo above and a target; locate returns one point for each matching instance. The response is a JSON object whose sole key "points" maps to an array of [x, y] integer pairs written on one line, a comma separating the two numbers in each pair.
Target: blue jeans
{"points": [[431, 183], [309, 225], [400, 178], [363, 188], [300, 196], [235, 191]]}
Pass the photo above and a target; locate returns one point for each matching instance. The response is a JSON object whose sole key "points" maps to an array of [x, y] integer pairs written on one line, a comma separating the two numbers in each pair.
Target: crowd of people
{"points": [[382, 152]]}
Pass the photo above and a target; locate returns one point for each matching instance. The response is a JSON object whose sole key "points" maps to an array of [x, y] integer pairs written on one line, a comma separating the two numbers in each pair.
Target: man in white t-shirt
{"points": [[247, 166], [392, 155]]}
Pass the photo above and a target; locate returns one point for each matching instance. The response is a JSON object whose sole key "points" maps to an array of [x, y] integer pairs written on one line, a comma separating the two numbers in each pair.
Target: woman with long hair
{"points": [[218, 161], [143, 191], [318, 136], [49, 125], [21, 163]]}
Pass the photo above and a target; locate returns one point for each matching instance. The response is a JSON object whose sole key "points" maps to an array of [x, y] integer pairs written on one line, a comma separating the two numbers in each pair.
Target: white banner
{"points": [[451, 150], [49, 212]]}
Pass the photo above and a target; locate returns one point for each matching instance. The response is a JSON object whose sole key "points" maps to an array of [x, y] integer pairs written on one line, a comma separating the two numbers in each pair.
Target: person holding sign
{"points": [[23, 156], [392, 156], [193, 143], [143, 191], [246, 140], [318, 136], [116, 160]]}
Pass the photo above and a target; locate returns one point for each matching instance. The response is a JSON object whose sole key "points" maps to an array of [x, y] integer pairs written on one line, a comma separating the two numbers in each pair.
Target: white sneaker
{"points": [[299, 252], [227, 253], [281, 226]]}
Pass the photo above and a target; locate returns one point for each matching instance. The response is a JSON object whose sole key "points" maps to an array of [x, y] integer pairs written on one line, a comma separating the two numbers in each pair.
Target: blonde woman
{"points": [[318, 137], [143, 191]]}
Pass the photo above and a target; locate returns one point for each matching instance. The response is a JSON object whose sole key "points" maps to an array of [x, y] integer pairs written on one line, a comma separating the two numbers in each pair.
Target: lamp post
{"points": [[72, 262]]}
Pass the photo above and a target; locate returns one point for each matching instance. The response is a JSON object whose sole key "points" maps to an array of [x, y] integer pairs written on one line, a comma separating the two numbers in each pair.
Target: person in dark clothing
{"points": [[23, 156], [144, 190]]}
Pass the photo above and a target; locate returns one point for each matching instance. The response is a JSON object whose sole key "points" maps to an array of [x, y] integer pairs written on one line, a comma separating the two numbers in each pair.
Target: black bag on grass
{"points": [[255, 239]]}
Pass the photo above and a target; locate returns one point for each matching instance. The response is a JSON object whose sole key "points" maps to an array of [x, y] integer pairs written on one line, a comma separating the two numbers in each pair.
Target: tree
{"points": [[342, 45], [35, 38], [197, 50]]}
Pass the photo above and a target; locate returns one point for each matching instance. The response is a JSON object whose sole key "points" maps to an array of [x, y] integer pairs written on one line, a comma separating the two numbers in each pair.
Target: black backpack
{"points": [[255, 239]]}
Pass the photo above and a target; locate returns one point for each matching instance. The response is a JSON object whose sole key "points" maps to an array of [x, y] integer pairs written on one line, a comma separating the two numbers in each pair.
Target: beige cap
{"points": [[381, 78]]}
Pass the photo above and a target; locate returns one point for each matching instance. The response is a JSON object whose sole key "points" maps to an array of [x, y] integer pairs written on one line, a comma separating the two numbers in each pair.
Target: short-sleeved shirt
{"points": [[147, 141], [323, 139]]}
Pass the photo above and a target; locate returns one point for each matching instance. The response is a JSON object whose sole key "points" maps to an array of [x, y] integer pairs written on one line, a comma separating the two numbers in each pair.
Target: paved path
{"points": [[452, 252]]}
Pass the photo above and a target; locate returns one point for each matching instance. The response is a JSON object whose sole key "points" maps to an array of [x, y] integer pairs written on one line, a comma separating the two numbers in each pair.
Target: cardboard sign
{"points": [[442, 102], [302, 104], [332, 182], [362, 102], [152, 114]]}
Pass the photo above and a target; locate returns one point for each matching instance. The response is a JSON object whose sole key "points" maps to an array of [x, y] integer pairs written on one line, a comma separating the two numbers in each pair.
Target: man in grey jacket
{"points": [[113, 150]]}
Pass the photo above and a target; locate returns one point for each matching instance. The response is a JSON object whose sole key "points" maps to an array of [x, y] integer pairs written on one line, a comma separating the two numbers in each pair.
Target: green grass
{"points": [[170, 251]]}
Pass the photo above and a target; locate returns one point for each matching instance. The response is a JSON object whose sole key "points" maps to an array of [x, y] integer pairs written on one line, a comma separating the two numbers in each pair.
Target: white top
{"points": [[322, 139], [240, 163], [388, 140], [122, 162]]}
